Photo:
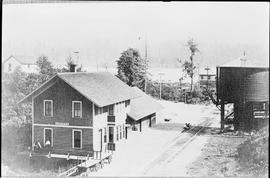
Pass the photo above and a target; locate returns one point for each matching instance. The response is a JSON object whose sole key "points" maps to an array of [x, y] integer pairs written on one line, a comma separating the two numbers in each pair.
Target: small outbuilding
{"points": [[246, 86], [143, 110]]}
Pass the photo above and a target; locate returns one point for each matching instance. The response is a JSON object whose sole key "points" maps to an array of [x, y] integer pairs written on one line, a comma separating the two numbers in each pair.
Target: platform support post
{"points": [[222, 116]]}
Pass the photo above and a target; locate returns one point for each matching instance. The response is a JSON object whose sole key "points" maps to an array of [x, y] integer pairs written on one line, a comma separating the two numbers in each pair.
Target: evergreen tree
{"points": [[46, 69], [132, 68]]}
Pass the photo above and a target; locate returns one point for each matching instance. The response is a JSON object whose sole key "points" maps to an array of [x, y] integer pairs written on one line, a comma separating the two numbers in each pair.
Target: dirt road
{"points": [[170, 157]]}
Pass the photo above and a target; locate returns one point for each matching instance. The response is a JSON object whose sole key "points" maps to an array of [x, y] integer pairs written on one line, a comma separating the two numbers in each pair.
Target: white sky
{"points": [[102, 30]]}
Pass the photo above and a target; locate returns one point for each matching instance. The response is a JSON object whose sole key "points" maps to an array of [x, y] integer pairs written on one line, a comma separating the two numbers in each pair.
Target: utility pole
{"points": [[160, 74], [180, 85], [145, 58], [207, 69]]}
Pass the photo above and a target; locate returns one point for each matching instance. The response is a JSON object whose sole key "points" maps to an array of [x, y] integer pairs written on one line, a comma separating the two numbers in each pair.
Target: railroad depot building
{"points": [[246, 86], [79, 114], [143, 111]]}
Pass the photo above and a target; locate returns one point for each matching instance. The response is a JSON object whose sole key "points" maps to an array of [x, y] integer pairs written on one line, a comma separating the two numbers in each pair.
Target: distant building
{"points": [[246, 86], [208, 78], [26, 63]]}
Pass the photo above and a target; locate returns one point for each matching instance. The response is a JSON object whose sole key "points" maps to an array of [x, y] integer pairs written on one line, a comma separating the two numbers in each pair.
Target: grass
{"points": [[220, 157], [217, 158], [23, 165]]}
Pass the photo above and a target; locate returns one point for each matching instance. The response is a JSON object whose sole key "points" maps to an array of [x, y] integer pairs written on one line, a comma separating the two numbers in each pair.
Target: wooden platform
{"points": [[91, 162], [89, 165], [67, 154]]}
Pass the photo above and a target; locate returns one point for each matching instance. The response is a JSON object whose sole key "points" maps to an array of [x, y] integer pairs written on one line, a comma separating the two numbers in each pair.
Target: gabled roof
{"points": [[211, 71], [142, 106], [243, 61], [102, 88], [23, 59]]}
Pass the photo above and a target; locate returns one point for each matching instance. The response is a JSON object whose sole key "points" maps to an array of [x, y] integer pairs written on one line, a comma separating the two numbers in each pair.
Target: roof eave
{"points": [[29, 96]]}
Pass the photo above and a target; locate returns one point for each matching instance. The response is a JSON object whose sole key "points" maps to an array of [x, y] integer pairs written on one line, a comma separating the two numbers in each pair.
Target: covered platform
{"points": [[143, 110]]}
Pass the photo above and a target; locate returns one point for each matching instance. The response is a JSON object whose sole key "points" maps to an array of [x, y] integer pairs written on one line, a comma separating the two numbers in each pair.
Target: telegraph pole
{"points": [[160, 84], [207, 69], [145, 58]]}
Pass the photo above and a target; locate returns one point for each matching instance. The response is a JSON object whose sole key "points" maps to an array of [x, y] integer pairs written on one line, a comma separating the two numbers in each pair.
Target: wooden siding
{"points": [[244, 119], [233, 82], [62, 138], [62, 95], [256, 87]]}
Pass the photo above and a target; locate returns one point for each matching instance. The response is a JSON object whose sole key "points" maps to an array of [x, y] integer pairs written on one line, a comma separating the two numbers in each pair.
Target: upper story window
{"points": [[111, 110], [9, 67], [98, 110], [127, 103], [48, 108], [76, 109], [105, 109]]}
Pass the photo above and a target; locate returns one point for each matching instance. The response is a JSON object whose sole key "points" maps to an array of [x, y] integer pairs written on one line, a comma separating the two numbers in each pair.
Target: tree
{"points": [[69, 62], [16, 86], [188, 65], [132, 68], [46, 69]]}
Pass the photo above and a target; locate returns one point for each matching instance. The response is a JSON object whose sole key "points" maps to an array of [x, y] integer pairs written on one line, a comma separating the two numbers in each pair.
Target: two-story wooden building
{"points": [[79, 114]]}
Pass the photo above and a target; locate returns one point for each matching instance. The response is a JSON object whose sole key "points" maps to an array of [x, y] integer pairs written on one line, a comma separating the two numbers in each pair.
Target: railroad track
{"points": [[177, 146]]}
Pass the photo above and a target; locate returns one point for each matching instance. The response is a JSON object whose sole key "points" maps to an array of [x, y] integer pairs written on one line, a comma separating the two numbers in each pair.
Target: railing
{"points": [[69, 172], [111, 118]]}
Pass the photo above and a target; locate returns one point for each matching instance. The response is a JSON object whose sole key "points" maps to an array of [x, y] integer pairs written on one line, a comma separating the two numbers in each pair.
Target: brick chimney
{"points": [[72, 68]]}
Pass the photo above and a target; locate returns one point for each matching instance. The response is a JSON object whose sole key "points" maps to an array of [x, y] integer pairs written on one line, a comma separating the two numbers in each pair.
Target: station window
{"points": [[117, 133], [105, 135], [48, 108], [48, 137], [77, 139], [76, 109], [111, 110], [111, 130]]}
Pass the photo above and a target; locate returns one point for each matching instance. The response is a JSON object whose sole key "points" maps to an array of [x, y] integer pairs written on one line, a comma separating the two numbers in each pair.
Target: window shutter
{"points": [[81, 109]]}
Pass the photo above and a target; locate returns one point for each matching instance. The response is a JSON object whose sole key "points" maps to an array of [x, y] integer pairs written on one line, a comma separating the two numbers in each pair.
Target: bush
{"points": [[15, 139], [253, 153]]}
